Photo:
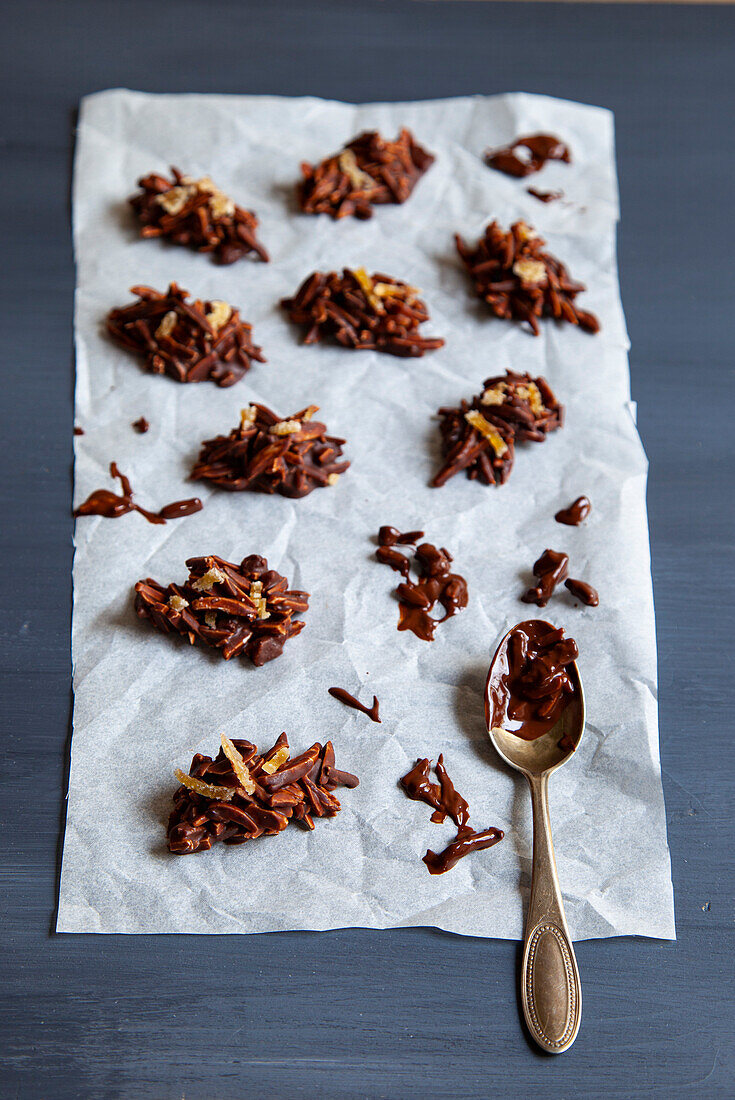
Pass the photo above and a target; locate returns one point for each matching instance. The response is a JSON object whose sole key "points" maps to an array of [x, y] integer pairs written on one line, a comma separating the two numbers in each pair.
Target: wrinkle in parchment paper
{"points": [[144, 703]]}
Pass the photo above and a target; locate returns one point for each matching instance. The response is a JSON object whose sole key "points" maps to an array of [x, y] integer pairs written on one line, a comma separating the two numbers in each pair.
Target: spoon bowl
{"points": [[546, 753], [550, 988]]}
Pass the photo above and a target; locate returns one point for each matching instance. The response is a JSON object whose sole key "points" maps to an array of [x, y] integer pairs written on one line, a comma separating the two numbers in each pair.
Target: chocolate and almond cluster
{"points": [[241, 610], [195, 341], [368, 172], [519, 281], [363, 312], [243, 794], [480, 436], [267, 454], [196, 214]]}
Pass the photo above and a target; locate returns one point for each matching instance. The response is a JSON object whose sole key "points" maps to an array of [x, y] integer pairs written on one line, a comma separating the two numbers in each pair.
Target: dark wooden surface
{"points": [[407, 1013]]}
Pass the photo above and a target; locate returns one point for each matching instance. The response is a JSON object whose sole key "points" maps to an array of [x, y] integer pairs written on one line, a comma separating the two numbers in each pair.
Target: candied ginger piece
{"points": [[238, 765], [480, 424], [280, 756], [206, 790]]}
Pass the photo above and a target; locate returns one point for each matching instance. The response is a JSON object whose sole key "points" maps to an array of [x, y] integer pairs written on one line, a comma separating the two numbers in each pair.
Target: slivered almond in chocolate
{"points": [[361, 312], [257, 629], [212, 804], [197, 214], [267, 455], [520, 281], [369, 171], [480, 436], [188, 341]]}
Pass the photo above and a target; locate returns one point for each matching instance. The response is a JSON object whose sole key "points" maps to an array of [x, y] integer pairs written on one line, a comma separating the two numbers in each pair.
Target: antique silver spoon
{"points": [[550, 988]]}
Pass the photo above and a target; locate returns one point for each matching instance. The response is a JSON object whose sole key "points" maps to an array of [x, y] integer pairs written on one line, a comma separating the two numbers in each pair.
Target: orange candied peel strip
{"points": [[206, 790], [238, 765]]}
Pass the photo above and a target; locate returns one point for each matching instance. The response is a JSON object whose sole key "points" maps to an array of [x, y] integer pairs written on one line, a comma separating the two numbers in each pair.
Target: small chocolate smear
{"points": [[446, 802], [180, 508], [386, 555], [196, 214], [361, 312], [140, 425], [480, 436], [519, 281], [420, 788], [435, 584], [545, 196], [241, 610], [441, 796], [350, 701], [78, 431], [527, 155], [270, 454], [103, 502], [254, 795], [531, 685], [368, 172], [576, 513], [549, 570], [583, 591], [199, 341], [467, 841], [391, 536]]}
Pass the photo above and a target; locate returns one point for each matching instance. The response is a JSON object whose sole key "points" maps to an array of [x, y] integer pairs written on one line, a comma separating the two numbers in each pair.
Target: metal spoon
{"points": [[550, 988]]}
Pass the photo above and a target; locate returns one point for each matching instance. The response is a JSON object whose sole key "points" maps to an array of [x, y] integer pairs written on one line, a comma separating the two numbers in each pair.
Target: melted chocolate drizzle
{"points": [[467, 841], [435, 584], [527, 155], [545, 196], [446, 801], [350, 701], [530, 686], [390, 536], [549, 570], [103, 502], [576, 513]]}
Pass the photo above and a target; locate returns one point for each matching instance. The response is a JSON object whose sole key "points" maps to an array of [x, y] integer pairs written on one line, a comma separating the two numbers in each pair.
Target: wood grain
{"points": [[414, 1013]]}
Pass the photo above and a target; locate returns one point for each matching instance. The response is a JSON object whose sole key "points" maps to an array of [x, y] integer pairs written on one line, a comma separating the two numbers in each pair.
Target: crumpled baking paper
{"points": [[144, 703]]}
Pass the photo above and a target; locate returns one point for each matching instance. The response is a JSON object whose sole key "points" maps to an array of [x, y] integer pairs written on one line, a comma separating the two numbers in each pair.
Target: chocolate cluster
{"points": [[242, 794], [196, 214], [241, 610], [268, 454], [197, 341], [520, 281], [369, 171], [363, 312], [480, 436]]}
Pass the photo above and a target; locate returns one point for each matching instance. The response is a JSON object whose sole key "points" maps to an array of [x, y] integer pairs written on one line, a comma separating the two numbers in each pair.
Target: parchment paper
{"points": [[144, 703]]}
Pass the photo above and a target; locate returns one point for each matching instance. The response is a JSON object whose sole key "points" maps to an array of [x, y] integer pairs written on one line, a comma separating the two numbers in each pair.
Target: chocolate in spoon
{"points": [[546, 728]]}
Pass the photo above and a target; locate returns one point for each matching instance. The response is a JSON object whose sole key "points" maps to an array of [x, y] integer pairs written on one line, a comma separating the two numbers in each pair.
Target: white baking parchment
{"points": [[145, 702]]}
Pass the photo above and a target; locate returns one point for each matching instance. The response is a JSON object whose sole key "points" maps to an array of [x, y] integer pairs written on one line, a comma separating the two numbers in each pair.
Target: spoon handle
{"points": [[550, 989]]}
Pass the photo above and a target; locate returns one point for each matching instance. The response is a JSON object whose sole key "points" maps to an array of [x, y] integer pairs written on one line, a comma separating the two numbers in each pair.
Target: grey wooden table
{"points": [[407, 1013]]}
